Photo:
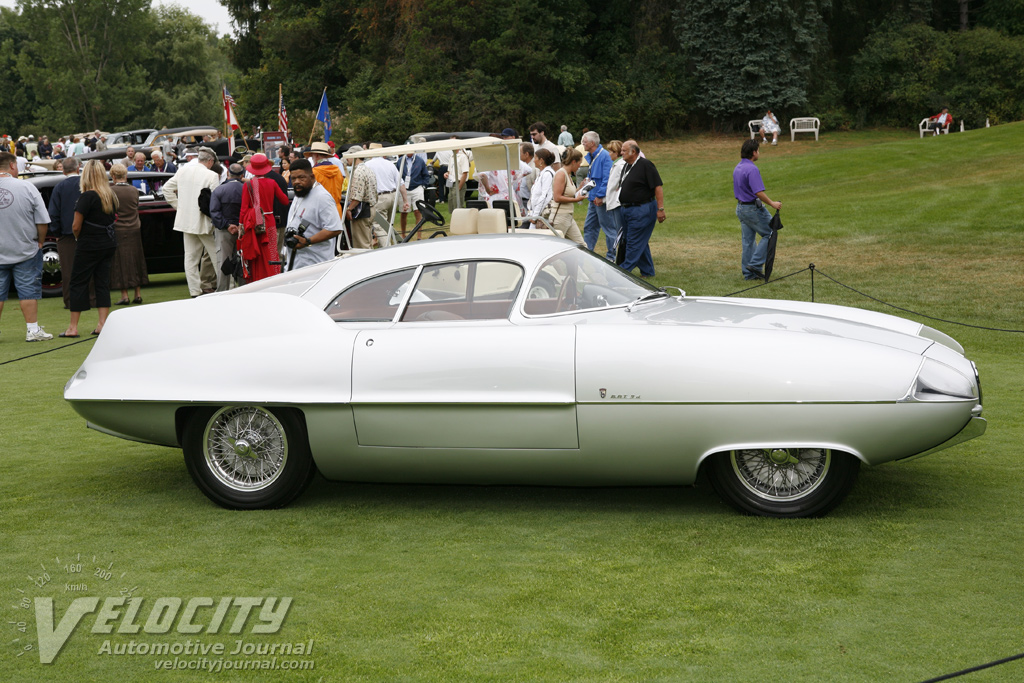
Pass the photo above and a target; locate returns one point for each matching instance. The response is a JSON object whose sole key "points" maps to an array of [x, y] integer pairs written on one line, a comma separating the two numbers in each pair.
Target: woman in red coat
{"points": [[258, 242]]}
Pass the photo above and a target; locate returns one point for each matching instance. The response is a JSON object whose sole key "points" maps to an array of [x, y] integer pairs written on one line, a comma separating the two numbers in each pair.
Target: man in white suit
{"points": [[182, 192]]}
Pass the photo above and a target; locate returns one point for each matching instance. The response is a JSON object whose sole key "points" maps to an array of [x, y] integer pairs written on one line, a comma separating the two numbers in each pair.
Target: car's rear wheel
{"points": [[783, 482], [248, 457]]}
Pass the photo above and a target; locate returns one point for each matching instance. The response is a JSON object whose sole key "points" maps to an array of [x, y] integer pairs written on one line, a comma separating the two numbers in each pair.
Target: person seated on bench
{"points": [[940, 122], [770, 124]]}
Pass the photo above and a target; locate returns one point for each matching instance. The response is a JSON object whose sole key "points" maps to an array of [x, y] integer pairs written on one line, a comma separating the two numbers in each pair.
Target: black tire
{"points": [[248, 457], [783, 482]]}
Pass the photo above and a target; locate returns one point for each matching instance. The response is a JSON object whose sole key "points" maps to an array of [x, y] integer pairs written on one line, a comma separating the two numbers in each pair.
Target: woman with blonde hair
{"points": [[563, 197], [94, 246], [611, 199], [129, 266]]}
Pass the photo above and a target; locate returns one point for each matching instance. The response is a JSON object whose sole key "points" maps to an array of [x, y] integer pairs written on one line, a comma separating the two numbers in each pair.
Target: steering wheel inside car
{"points": [[429, 212], [567, 295]]}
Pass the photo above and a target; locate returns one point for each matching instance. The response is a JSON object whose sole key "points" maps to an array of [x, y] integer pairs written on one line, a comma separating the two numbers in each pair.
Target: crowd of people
{"points": [[232, 215]]}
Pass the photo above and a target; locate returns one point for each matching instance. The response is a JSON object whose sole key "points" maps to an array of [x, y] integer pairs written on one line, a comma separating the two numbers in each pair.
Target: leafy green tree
{"points": [[988, 81], [900, 74], [186, 66], [19, 96], [83, 60], [1006, 16], [748, 57]]}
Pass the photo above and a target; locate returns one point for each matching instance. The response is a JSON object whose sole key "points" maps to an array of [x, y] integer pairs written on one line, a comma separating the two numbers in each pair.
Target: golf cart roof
{"points": [[488, 153]]}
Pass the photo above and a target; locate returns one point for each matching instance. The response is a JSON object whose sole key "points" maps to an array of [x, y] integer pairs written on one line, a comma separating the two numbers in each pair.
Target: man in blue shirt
{"points": [[225, 207], [748, 188], [415, 178], [62, 215], [597, 215]]}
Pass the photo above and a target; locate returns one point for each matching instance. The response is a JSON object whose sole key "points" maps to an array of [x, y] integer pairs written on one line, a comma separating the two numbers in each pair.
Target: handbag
{"points": [[234, 266], [254, 217], [776, 222]]}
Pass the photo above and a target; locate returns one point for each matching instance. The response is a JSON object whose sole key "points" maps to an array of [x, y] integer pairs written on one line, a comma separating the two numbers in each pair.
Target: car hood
{"points": [[792, 317]]}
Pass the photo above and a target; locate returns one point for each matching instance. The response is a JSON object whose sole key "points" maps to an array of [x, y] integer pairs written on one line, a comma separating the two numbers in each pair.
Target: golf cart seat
{"points": [[463, 222]]}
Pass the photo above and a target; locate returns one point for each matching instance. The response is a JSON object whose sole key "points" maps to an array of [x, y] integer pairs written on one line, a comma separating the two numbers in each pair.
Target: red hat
{"points": [[330, 143], [259, 164]]}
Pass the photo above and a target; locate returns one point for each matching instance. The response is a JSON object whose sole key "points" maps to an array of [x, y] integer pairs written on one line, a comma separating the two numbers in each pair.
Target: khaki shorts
{"points": [[414, 196]]}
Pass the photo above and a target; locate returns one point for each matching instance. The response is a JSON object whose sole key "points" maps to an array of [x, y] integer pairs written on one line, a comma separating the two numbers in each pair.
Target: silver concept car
{"points": [[500, 359]]}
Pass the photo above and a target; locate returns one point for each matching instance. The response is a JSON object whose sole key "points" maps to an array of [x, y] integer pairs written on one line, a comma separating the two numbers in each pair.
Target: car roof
{"points": [[190, 130], [51, 178]]}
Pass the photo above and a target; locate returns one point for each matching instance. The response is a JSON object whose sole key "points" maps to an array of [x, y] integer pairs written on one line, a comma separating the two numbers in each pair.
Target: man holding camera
{"points": [[313, 220]]}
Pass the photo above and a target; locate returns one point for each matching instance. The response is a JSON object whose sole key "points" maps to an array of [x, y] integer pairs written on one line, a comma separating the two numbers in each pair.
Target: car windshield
{"points": [[577, 280]]}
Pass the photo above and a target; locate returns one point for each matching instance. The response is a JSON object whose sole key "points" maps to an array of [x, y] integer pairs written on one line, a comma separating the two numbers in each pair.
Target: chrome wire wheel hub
{"points": [[781, 474], [245, 447]]}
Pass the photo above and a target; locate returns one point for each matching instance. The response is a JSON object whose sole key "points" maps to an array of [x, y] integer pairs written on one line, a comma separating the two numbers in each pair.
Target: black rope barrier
{"points": [[811, 267], [907, 310], [964, 672], [772, 282], [56, 348]]}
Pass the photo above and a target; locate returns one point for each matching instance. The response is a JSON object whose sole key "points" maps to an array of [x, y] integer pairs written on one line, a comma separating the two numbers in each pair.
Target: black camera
{"points": [[291, 235]]}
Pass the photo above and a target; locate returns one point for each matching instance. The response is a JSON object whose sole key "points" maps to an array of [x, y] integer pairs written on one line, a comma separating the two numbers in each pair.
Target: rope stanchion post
{"points": [[810, 267]]}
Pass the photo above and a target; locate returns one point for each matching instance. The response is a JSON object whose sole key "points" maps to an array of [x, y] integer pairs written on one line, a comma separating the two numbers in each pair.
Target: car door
{"points": [[453, 372]]}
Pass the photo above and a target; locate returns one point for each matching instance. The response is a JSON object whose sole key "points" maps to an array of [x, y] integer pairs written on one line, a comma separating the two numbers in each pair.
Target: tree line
{"points": [[631, 67], [81, 65], [622, 67]]}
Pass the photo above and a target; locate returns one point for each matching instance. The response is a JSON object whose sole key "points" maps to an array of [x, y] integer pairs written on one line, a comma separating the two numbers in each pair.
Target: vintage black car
{"points": [[164, 248]]}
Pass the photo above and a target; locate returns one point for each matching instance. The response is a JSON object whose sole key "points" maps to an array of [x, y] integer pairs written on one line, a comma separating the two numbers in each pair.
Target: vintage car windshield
{"points": [[578, 279]]}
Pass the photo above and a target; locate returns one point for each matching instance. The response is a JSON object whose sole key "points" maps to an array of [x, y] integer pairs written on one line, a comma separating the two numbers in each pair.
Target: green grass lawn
{"points": [[918, 573]]}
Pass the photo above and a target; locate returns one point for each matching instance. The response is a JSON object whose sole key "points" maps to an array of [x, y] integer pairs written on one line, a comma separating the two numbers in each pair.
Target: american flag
{"points": [[282, 115], [228, 98]]}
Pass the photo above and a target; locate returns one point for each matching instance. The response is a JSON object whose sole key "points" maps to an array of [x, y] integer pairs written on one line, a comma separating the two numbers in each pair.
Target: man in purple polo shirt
{"points": [[748, 189]]}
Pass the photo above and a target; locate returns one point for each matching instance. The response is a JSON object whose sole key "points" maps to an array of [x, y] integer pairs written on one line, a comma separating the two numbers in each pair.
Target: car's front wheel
{"points": [[248, 457], [783, 482]]}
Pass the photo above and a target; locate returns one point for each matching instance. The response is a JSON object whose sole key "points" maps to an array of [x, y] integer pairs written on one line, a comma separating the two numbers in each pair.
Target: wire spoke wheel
{"points": [[246, 448], [247, 457], [783, 482], [781, 474]]}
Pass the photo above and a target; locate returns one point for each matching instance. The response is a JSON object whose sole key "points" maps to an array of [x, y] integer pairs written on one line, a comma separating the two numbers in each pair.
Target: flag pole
{"points": [[315, 120]]}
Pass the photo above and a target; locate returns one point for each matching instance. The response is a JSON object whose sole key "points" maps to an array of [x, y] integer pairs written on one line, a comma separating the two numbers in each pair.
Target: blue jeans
{"points": [[639, 222], [596, 221], [616, 217], [27, 276], [753, 222]]}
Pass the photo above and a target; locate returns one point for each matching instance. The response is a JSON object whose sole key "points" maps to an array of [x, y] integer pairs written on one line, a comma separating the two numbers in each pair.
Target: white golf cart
{"points": [[489, 154]]}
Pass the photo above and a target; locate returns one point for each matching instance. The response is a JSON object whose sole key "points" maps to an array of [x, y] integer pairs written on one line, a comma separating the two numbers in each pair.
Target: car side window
{"points": [[373, 300], [464, 290]]}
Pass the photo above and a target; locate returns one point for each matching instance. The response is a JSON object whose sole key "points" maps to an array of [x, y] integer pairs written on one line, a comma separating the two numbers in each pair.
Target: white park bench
{"points": [[806, 124], [924, 129]]}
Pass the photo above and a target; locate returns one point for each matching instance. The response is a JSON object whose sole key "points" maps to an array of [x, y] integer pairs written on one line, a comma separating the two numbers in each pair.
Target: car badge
{"points": [[604, 392]]}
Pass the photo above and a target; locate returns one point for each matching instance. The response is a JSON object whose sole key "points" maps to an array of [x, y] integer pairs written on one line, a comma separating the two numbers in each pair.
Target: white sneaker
{"points": [[39, 335], [775, 142]]}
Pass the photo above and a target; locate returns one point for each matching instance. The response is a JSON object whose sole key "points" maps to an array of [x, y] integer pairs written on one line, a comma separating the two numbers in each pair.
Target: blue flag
{"points": [[324, 114]]}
